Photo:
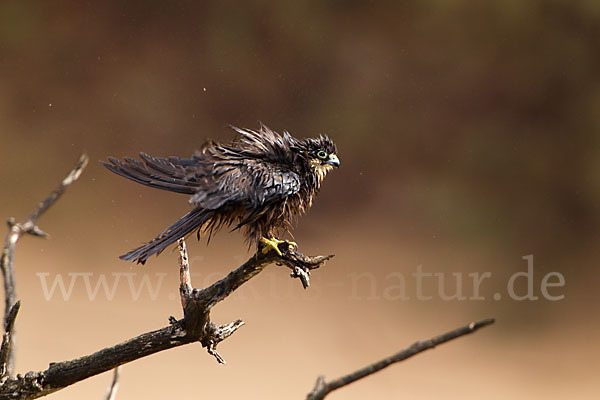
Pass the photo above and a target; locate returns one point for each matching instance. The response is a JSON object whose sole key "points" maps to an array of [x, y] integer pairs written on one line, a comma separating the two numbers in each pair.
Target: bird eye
{"points": [[322, 154]]}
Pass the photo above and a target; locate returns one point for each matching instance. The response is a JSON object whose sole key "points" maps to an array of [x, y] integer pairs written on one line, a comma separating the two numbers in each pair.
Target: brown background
{"points": [[468, 134]]}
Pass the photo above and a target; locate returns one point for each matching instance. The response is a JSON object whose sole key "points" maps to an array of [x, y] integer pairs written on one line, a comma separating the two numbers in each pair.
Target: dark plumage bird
{"points": [[260, 183]]}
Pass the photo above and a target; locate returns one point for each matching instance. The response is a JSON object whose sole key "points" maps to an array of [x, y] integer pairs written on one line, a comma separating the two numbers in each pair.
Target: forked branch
{"points": [[7, 262], [195, 326], [198, 303]]}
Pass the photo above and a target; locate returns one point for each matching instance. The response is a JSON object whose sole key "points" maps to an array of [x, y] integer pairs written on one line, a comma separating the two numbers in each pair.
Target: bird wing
{"points": [[248, 181], [255, 170], [173, 174], [213, 178]]}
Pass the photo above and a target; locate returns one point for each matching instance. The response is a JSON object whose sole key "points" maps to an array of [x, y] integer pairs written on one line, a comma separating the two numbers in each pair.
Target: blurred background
{"points": [[469, 139]]}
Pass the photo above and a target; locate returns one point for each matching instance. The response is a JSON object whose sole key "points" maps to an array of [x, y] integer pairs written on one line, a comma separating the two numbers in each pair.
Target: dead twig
{"points": [[194, 327], [7, 261], [323, 388], [111, 392]]}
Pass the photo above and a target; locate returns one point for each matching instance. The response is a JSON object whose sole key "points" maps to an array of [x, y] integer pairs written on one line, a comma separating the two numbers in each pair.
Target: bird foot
{"points": [[273, 244]]}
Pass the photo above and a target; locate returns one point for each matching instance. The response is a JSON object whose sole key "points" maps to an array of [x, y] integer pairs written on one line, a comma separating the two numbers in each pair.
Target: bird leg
{"points": [[273, 244]]}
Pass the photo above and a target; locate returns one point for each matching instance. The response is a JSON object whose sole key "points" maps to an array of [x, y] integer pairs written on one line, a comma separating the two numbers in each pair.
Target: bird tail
{"points": [[182, 227]]}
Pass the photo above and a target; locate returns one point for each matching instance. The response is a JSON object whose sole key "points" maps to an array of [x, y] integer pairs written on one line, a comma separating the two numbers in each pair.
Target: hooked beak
{"points": [[333, 160]]}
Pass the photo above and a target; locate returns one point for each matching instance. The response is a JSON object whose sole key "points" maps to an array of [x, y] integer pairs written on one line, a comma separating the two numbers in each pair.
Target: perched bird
{"points": [[259, 183]]}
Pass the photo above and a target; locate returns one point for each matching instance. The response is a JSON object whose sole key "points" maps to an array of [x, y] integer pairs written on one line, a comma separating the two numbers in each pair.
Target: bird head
{"points": [[321, 153]]}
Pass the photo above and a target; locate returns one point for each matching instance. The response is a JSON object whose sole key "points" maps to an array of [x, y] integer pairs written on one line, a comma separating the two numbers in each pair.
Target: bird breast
{"points": [[321, 170]]}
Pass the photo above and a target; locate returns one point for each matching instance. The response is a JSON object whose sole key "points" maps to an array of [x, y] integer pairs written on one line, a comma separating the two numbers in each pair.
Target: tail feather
{"points": [[181, 228]]}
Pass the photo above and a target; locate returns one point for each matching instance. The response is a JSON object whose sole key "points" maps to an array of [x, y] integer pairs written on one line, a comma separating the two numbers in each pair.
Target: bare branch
{"points": [[290, 258], [16, 230], [198, 303], [114, 385], [216, 334], [195, 326], [7, 339], [323, 388], [185, 287]]}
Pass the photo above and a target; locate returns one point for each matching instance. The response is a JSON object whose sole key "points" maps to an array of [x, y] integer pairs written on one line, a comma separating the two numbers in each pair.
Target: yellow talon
{"points": [[273, 244]]}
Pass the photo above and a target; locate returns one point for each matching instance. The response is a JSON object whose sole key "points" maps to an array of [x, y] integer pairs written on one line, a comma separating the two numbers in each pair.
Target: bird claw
{"points": [[273, 244]]}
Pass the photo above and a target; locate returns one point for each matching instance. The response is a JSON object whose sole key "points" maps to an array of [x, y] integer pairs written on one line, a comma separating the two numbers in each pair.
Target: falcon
{"points": [[258, 183]]}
